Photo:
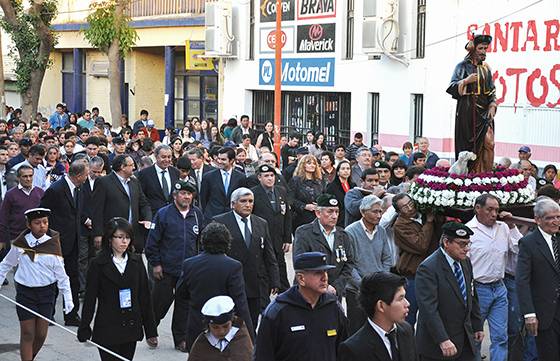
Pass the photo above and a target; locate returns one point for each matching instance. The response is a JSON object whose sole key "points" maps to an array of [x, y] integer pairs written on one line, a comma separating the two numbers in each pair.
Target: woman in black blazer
{"points": [[118, 282], [341, 184]]}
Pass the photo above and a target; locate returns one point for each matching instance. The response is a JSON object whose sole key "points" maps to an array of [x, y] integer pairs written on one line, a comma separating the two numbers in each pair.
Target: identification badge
{"points": [[125, 298], [331, 333], [297, 328]]}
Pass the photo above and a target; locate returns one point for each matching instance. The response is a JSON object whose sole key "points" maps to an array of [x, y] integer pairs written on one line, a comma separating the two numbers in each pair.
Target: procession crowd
{"points": [[127, 221]]}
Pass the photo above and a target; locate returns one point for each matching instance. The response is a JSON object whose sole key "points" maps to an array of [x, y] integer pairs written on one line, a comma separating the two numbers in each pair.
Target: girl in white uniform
{"points": [[37, 253]]}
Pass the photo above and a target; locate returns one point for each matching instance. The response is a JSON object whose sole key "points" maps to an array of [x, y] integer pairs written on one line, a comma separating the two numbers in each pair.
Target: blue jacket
{"points": [[172, 238]]}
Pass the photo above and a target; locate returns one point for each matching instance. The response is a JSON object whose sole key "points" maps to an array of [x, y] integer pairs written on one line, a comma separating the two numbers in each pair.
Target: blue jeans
{"points": [[411, 298], [515, 322], [493, 302]]}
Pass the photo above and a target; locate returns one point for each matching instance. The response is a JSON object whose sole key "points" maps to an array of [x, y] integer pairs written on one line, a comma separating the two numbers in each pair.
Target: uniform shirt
{"points": [[212, 340], [328, 237], [489, 250], [383, 334]]}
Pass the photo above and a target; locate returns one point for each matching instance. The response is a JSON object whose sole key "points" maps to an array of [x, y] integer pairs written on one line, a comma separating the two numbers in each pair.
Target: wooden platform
{"points": [[523, 212]]}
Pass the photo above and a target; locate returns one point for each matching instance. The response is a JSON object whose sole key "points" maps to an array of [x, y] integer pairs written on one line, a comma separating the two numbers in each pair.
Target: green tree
{"points": [[109, 32], [34, 40]]}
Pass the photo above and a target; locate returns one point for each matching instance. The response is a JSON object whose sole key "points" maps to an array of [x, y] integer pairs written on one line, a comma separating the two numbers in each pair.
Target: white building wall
{"points": [[446, 25]]}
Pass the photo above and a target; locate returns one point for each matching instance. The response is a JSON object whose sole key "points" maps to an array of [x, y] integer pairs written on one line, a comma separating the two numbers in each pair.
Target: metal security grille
{"points": [[301, 111], [349, 49], [251, 30], [421, 29], [374, 118], [418, 114]]}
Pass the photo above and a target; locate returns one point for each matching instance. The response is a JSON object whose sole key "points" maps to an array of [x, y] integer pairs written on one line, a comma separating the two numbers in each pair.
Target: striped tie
{"points": [[460, 279], [556, 251]]}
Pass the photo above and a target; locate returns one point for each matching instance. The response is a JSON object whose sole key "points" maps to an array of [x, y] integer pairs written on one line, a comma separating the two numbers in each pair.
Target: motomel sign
{"points": [[268, 10], [299, 71], [316, 9], [268, 39], [316, 38]]}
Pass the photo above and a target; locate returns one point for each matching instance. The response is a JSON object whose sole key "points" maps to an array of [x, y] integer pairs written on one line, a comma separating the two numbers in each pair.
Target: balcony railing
{"points": [[146, 8]]}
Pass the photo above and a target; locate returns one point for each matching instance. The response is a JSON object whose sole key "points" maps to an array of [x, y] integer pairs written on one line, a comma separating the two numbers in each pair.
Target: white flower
{"points": [[449, 180], [438, 202], [431, 200], [503, 181], [458, 182], [477, 180], [494, 180], [461, 195], [468, 182], [459, 202]]}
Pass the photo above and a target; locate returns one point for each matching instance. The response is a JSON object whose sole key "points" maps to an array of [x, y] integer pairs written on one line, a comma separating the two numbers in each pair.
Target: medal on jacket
{"points": [[343, 252], [282, 207], [262, 242]]}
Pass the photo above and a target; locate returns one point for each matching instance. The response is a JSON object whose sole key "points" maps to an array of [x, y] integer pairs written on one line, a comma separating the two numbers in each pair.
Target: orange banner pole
{"points": [[278, 79]]}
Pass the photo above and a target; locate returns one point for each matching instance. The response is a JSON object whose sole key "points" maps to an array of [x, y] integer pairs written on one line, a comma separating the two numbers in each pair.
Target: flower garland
{"points": [[436, 188]]}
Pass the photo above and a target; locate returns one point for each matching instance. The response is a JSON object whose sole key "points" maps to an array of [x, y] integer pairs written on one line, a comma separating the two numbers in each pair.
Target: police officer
{"points": [[306, 322], [271, 203], [173, 238], [323, 235]]}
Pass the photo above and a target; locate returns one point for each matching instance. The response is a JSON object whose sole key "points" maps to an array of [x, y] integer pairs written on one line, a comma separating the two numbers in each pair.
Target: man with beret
{"points": [[449, 323], [473, 87], [306, 322], [271, 204], [323, 235], [384, 171], [173, 237]]}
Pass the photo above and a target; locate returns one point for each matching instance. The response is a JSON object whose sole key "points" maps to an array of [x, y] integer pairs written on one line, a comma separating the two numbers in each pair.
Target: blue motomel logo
{"points": [[299, 71]]}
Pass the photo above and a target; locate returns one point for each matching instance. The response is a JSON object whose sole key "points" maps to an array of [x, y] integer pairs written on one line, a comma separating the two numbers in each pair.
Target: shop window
{"points": [[374, 118], [417, 115]]}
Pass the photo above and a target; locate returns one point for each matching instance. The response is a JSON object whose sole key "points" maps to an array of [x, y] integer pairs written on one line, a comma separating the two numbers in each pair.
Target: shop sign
{"points": [[316, 9], [268, 39], [194, 50], [316, 38], [299, 71], [268, 10]]}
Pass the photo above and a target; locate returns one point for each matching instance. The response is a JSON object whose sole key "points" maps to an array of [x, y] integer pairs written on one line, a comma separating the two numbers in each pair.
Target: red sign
{"points": [[315, 32], [271, 39]]}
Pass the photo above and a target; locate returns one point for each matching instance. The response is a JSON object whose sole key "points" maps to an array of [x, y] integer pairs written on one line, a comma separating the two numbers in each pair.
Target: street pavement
{"points": [[63, 346]]}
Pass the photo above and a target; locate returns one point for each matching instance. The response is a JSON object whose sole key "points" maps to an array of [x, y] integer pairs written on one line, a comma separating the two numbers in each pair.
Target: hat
{"points": [[326, 200], [218, 310], [302, 151], [525, 149], [312, 261], [374, 151], [182, 185], [381, 164], [26, 142], [265, 168], [456, 230], [119, 140], [35, 213], [150, 123], [478, 39], [100, 119]]}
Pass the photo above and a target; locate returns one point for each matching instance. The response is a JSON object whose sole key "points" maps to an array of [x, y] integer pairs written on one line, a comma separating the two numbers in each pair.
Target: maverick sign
{"points": [[316, 38], [268, 10]]}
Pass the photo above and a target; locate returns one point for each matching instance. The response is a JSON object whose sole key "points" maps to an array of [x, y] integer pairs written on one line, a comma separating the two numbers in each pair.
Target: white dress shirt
{"points": [[120, 263], [489, 249], [124, 183], [71, 185], [25, 190], [548, 239], [166, 175], [212, 340], [241, 224], [382, 333]]}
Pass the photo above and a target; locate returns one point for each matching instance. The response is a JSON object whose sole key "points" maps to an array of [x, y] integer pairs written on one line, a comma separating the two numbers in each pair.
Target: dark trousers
{"points": [[284, 283], [126, 350], [548, 341], [86, 251], [466, 355], [356, 316], [163, 295], [254, 310]]}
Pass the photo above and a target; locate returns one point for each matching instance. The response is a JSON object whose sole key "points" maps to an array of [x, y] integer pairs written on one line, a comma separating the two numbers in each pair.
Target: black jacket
{"points": [[443, 315], [213, 199], [366, 345], [65, 214], [208, 275], [538, 288], [260, 268], [290, 330], [86, 194], [149, 181], [112, 324], [279, 219], [303, 192]]}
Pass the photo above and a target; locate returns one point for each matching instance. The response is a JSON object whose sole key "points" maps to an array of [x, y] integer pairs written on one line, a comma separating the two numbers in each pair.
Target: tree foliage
{"points": [[30, 31], [105, 25]]}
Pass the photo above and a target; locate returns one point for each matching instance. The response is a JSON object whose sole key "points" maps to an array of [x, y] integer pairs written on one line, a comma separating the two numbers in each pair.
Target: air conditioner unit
{"points": [[380, 27], [99, 69], [219, 29]]}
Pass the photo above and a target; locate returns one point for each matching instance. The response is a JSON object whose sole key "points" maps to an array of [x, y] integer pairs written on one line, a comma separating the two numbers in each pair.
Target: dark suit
{"points": [[213, 198], [260, 268], [150, 182], [205, 169], [279, 218], [111, 200], [208, 275], [366, 345], [65, 218], [538, 291], [443, 314]]}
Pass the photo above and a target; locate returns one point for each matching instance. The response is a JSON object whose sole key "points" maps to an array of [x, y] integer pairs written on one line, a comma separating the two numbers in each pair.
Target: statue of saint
{"points": [[473, 87]]}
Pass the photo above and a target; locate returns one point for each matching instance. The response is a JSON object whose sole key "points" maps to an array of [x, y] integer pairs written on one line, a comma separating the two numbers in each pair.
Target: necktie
{"points": [[272, 199], [198, 181], [392, 336], [556, 249], [223, 343], [75, 196], [246, 232], [226, 182], [460, 279], [164, 185]]}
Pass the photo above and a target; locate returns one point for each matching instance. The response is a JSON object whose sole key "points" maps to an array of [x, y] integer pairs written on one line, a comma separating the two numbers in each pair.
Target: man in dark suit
{"points": [[538, 279], [251, 245], [271, 204], [449, 320], [210, 274], [157, 180], [119, 195], [385, 335], [217, 185], [199, 168], [62, 198]]}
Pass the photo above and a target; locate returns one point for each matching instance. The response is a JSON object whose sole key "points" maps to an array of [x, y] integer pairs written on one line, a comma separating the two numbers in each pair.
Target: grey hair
{"points": [[161, 147], [545, 205], [96, 161], [362, 150], [240, 192], [387, 201], [504, 162], [369, 201], [78, 167]]}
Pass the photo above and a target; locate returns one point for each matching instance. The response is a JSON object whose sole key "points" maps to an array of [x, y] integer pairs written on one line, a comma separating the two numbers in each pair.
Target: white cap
{"points": [[216, 307]]}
